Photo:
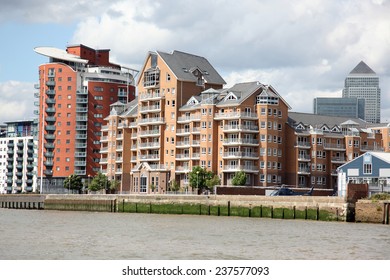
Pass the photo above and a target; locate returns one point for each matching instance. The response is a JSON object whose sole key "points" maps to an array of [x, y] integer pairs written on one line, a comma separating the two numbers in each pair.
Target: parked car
{"points": [[285, 191]]}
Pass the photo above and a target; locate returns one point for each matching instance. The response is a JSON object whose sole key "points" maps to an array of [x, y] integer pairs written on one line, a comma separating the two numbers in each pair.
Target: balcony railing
{"points": [[240, 155], [149, 145], [250, 128], [236, 115], [240, 141], [150, 108], [150, 121], [245, 168], [155, 95]]}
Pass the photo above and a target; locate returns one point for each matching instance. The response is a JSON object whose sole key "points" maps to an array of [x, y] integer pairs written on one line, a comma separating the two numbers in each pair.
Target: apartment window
{"points": [[98, 97], [173, 103], [262, 164], [210, 111], [203, 125], [204, 111], [69, 79], [168, 77], [172, 115], [210, 124], [100, 89], [209, 137], [262, 112], [173, 90], [69, 88], [69, 105], [209, 163], [172, 140], [209, 151], [262, 124], [98, 115]]}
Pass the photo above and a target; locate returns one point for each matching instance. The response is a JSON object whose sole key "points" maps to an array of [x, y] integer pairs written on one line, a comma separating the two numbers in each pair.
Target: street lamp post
{"points": [[197, 180]]}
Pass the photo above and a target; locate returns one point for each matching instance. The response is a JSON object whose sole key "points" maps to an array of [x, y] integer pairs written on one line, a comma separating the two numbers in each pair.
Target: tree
{"points": [[239, 178], [73, 182], [152, 187], [114, 184], [99, 182], [198, 178], [174, 186], [210, 183]]}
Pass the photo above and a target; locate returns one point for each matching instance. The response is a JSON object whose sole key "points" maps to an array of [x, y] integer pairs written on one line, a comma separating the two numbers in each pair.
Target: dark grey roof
{"points": [[242, 91], [131, 108], [362, 68], [319, 120], [182, 64]]}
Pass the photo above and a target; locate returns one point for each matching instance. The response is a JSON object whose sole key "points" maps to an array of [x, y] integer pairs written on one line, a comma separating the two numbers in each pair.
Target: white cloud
{"points": [[17, 101], [303, 48]]}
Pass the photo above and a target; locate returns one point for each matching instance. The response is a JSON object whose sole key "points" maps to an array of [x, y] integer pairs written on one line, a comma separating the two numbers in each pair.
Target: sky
{"points": [[303, 48]]}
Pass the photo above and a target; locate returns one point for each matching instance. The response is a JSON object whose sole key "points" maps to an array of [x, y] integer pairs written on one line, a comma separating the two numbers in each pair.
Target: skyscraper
{"points": [[76, 88], [362, 82]]}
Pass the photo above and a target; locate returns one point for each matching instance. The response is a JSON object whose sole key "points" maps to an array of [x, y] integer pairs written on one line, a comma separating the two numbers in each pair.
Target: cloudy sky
{"points": [[303, 48]]}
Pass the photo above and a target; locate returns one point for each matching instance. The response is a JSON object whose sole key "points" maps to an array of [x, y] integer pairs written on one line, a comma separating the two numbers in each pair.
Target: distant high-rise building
{"points": [[362, 82], [76, 88], [339, 107]]}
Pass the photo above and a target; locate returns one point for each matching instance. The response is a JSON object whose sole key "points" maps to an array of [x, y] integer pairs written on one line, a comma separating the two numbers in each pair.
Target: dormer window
{"points": [[199, 76], [231, 96]]}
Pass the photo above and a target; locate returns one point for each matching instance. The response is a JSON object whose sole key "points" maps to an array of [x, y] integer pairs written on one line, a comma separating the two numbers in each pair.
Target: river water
{"points": [[61, 235]]}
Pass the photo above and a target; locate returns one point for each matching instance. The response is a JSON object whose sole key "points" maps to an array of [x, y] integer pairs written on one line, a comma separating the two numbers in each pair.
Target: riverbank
{"points": [[297, 207]]}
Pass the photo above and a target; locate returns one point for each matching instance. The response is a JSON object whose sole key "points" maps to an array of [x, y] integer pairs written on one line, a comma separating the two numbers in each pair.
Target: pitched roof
{"points": [[182, 64], [319, 120], [362, 68]]}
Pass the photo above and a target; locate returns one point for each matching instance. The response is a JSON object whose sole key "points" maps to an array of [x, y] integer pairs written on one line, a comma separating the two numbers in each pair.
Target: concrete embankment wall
{"points": [[313, 208], [368, 211], [296, 207], [23, 201]]}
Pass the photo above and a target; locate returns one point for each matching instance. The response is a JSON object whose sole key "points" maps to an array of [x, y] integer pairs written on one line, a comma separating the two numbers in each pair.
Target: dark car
{"points": [[284, 191]]}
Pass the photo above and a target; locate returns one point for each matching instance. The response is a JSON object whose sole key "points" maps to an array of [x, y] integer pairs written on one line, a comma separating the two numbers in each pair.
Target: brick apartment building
{"points": [[76, 88], [183, 117]]}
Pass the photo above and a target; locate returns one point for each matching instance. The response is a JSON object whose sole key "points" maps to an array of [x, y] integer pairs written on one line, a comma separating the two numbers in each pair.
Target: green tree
{"points": [[174, 186], [73, 182], [152, 187], [198, 178], [210, 183], [114, 185], [239, 178], [99, 182]]}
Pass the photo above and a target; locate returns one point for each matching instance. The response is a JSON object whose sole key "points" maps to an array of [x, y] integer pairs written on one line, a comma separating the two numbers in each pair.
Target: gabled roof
{"points": [[241, 90], [319, 120], [380, 155], [362, 68], [184, 64]]}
